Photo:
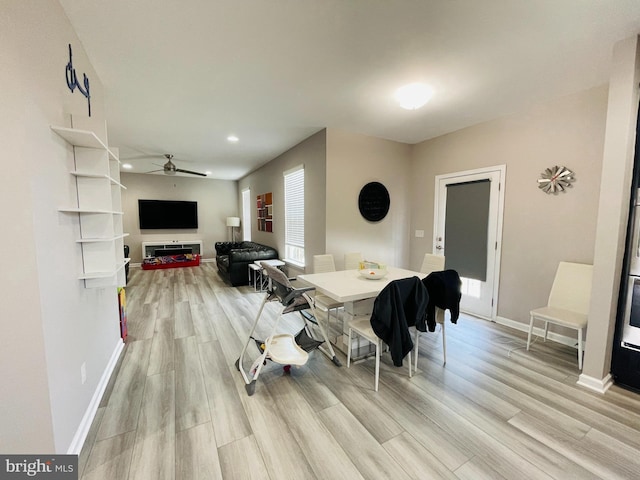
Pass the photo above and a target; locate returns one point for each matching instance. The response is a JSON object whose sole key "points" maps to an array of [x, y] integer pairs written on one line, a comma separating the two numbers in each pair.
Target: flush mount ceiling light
{"points": [[413, 96], [232, 138], [128, 166]]}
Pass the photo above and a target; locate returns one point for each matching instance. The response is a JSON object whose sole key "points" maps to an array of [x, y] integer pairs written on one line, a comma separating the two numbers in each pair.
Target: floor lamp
{"points": [[233, 222]]}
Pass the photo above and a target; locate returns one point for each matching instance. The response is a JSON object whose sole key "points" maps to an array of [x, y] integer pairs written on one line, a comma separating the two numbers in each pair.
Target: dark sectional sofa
{"points": [[233, 259]]}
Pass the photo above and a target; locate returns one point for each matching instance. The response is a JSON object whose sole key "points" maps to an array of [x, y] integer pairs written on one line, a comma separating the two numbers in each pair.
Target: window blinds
{"points": [[294, 213], [246, 215], [467, 227]]}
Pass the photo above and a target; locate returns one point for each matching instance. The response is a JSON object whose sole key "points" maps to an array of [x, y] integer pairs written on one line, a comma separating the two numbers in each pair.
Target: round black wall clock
{"points": [[374, 201]]}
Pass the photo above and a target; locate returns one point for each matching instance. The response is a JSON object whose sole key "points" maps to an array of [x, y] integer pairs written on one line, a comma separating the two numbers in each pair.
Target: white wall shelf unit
{"points": [[89, 210], [98, 275], [80, 138], [106, 239], [97, 177]]}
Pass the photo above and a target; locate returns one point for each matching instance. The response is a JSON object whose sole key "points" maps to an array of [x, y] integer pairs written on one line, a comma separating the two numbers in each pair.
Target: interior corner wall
{"points": [[25, 413], [311, 153], [613, 209], [52, 324], [539, 230], [217, 200], [353, 160]]}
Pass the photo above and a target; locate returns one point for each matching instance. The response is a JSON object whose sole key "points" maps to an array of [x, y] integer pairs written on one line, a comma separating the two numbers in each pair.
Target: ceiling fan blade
{"points": [[154, 171], [190, 172]]}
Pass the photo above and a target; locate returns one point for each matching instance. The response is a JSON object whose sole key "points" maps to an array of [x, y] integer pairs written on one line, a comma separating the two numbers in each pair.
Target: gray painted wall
{"points": [[353, 160], [312, 154], [216, 201], [52, 324], [539, 229]]}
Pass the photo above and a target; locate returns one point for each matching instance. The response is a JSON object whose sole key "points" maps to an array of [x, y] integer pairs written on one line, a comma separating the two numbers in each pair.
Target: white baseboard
{"points": [[539, 331], [90, 413], [596, 384]]}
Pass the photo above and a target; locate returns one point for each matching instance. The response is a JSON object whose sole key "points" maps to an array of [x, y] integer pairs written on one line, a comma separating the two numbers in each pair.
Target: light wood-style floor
{"points": [[177, 407]]}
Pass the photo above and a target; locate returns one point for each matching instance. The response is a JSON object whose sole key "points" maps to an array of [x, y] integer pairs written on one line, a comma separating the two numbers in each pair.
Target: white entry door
{"points": [[475, 251]]}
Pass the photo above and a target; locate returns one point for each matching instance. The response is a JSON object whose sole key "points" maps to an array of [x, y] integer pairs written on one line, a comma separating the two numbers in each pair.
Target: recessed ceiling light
{"points": [[232, 138], [128, 166], [414, 95], [207, 173]]}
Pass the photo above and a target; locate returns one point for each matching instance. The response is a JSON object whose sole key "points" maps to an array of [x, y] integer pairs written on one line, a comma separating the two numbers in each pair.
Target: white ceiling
{"points": [[180, 76]]}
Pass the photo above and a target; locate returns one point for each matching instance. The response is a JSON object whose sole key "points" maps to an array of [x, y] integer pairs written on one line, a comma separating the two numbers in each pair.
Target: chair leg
{"points": [[444, 345], [546, 330], [349, 350], [580, 349], [329, 323], [530, 331], [377, 366], [417, 347], [410, 374]]}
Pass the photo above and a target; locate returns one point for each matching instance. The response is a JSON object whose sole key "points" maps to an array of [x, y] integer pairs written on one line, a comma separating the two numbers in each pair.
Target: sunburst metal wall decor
{"points": [[555, 179]]}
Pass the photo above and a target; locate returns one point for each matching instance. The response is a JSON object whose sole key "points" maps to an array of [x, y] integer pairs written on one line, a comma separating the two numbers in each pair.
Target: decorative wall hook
{"points": [[72, 80]]}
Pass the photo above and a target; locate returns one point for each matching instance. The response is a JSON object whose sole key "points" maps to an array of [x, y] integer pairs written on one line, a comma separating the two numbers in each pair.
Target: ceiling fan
{"points": [[170, 168]]}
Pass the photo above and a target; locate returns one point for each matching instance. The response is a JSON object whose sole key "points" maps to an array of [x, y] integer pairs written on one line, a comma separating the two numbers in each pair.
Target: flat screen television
{"points": [[160, 214]]}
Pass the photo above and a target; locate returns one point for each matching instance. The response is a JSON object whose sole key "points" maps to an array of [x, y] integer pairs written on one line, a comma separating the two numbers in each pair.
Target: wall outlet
{"points": [[83, 372], [419, 233]]}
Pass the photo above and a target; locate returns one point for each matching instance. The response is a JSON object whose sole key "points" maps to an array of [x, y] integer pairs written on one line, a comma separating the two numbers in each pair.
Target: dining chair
{"points": [[568, 303], [323, 264], [400, 304], [433, 263], [352, 260]]}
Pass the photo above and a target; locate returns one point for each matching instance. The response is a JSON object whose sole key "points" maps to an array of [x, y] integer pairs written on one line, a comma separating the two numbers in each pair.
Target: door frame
{"points": [[501, 169]]}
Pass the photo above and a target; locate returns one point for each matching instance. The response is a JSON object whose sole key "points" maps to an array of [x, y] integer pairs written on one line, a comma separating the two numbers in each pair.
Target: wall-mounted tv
{"points": [[167, 214]]}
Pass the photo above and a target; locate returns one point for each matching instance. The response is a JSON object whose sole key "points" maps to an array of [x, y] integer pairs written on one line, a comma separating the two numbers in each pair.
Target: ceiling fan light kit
{"points": [[170, 168]]}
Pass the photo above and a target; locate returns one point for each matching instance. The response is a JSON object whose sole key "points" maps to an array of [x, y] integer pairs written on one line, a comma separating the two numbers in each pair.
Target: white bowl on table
{"points": [[373, 273]]}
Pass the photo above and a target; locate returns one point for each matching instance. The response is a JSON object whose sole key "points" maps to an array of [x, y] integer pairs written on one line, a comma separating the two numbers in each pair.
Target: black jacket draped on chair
{"points": [[444, 289], [400, 305]]}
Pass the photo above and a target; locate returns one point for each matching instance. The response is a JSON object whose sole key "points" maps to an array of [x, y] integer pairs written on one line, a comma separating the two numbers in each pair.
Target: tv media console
{"points": [[149, 248]]}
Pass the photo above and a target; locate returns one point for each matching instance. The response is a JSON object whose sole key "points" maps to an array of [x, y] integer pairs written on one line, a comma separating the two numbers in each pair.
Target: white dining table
{"points": [[355, 291]]}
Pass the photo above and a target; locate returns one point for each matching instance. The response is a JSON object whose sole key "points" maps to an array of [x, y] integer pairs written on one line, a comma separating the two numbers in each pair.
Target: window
{"points": [[246, 215], [294, 215], [471, 287]]}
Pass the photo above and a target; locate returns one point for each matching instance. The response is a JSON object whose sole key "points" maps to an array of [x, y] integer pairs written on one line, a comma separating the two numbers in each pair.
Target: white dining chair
{"points": [[323, 264], [362, 327], [352, 260], [568, 303], [432, 263]]}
